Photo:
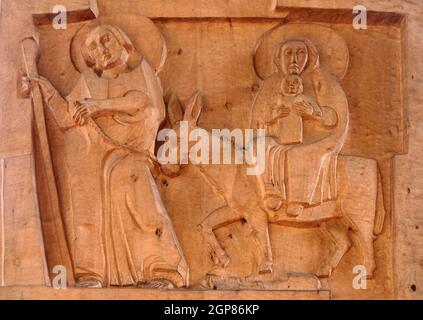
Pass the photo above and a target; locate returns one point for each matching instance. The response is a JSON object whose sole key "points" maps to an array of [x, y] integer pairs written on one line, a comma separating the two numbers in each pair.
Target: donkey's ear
{"points": [[194, 109], [174, 109]]}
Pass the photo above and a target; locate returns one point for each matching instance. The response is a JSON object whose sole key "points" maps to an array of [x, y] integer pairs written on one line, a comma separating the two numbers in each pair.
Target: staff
{"points": [[51, 205]]}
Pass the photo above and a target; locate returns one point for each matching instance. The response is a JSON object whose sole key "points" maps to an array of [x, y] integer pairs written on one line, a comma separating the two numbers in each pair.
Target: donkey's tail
{"points": [[380, 207]]}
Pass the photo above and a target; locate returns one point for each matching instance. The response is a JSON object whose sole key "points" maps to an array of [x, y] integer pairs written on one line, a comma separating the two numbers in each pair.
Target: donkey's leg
{"points": [[217, 219], [257, 219], [362, 202], [366, 243], [338, 232]]}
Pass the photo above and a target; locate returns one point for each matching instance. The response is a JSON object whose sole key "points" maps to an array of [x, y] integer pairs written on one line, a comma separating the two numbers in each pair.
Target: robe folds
{"points": [[304, 172], [118, 229]]}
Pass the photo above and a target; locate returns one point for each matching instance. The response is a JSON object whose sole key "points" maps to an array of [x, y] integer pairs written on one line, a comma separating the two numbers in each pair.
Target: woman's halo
{"points": [[144, 35], [332, 48]]}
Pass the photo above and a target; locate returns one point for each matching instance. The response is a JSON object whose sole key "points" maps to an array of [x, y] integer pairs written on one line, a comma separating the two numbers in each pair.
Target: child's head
{"points": [[292, 85]]}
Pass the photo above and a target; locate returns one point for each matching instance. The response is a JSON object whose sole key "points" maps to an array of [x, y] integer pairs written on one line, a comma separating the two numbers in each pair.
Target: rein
{"points": [[144, 153]]}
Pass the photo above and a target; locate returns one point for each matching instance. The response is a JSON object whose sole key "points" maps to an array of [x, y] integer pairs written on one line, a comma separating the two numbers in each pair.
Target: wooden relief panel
{"points": [[226, 153]]}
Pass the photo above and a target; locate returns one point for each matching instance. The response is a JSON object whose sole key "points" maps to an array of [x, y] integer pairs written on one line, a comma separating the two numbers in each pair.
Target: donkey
{"points": [[359, 209], [228, 184]]}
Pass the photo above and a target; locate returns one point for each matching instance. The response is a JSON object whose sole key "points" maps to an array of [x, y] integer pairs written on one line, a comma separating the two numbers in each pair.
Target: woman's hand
{"points": [[307, 107], [84, 110], [304, 107]]}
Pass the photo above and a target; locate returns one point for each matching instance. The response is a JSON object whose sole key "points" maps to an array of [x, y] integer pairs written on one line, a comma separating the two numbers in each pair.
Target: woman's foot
{"points": [[273, 202], [294, 210]]}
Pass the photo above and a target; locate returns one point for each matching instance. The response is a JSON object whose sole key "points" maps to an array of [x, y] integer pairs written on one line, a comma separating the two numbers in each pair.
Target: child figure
{"points": [[285, 123]]}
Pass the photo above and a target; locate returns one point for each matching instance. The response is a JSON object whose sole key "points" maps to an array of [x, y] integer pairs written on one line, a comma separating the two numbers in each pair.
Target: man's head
{"points": [[292, 85], [106, 47]]}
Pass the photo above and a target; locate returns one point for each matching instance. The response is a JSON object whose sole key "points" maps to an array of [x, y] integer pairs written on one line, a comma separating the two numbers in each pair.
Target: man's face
{"points": [[104, 49], [294, 57]]}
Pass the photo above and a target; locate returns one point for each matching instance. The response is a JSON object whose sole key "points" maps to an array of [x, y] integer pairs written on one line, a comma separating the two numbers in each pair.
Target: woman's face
{"points": [[294, 57]]}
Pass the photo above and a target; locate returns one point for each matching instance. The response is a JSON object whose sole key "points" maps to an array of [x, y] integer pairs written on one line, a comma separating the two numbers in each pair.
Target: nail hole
{"points": [[228, 106], [413, 287], [255, 88]]}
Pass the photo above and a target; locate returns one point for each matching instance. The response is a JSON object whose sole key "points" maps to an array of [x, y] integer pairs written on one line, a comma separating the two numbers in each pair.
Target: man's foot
{"points": [[89, 282], [294, 210]]}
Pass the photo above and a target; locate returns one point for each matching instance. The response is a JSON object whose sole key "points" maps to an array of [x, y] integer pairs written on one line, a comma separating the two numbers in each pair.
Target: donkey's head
{"points": [[183, 120], [190, 112]]}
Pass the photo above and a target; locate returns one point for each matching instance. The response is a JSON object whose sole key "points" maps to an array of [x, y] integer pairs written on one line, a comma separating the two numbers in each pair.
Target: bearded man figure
{"points": [[118, 230]]}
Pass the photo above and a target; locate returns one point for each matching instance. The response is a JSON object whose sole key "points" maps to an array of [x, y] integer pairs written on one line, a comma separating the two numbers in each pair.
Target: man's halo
{"points": [[144, 35], [333, 50]]}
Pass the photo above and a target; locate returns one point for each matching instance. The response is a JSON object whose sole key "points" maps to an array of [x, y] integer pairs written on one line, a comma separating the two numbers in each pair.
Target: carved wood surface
{"points": [[331, 101]]}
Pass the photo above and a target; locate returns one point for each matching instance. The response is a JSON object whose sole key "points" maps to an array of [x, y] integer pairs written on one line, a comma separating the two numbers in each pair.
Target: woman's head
{"points": [[295, 55]]}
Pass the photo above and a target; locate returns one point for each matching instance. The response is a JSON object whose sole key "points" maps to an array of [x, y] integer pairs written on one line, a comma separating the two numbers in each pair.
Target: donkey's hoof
{"points": [[221, 260], [217, 271], [266, 268], [370, 271], [324, 271], [224, 260], [294, 210]]}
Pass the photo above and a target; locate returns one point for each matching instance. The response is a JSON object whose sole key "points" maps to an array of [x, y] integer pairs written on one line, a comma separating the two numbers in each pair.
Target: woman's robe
{"points": [[305, 172]]}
